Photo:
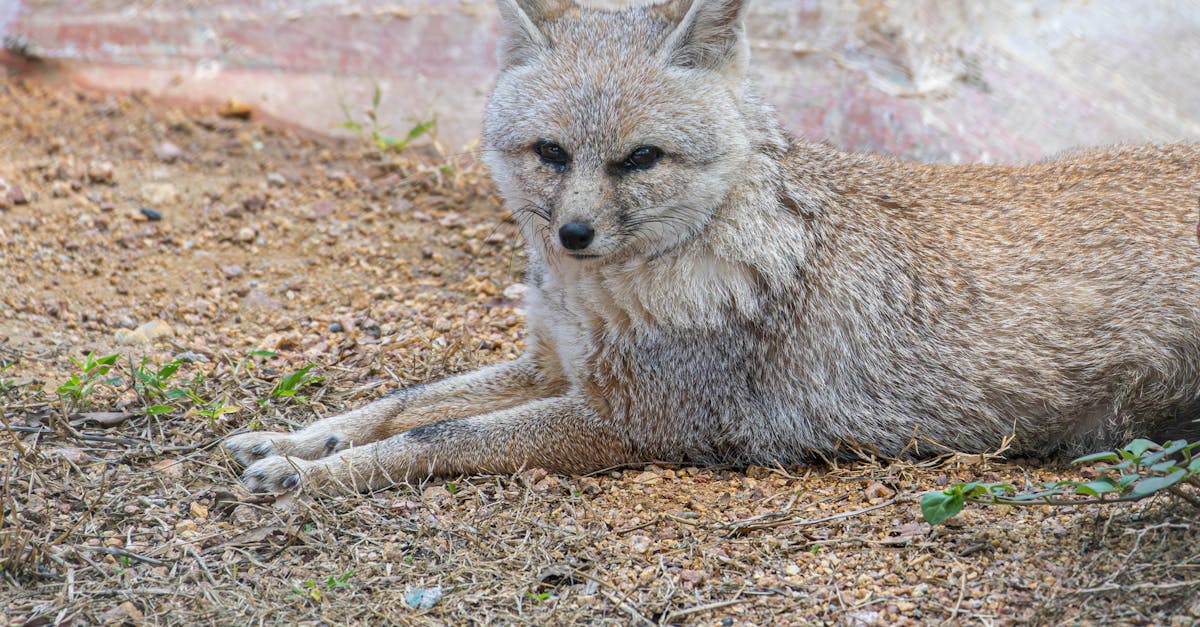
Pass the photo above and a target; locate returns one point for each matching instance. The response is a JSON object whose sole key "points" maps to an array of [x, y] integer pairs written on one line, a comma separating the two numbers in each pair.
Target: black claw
{"points": [[331, 442], [291, 482]]}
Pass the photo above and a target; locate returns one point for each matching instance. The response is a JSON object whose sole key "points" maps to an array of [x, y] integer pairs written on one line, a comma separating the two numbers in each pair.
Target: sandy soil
{"points": [[161, 235]]}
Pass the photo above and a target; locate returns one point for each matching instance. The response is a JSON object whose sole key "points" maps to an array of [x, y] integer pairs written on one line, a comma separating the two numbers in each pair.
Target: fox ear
{"points": [[521, 39], [711, 36]]}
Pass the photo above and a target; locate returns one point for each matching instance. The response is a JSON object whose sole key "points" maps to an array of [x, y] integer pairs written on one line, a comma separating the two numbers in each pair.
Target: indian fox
{"points": [[706, 289]]}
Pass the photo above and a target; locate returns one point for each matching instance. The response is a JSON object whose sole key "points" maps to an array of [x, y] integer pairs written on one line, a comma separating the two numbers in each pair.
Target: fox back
{"points": [[739, 295]]}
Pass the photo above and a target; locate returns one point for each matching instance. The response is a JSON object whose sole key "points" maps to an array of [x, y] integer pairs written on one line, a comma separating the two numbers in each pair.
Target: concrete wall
{"points": [[996, 80]]}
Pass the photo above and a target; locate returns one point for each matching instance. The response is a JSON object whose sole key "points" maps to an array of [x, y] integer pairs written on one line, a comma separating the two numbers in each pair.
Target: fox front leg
{"points": [[478, 392], [560, 434]]}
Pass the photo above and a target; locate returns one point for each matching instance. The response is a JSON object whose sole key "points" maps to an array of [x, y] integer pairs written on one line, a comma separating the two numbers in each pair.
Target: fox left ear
{"points": [[711, 36], [522, 39]]}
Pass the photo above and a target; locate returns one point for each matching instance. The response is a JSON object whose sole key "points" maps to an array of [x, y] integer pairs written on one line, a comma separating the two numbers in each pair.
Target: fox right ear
{"points": [[711, 36], [521, 40]]}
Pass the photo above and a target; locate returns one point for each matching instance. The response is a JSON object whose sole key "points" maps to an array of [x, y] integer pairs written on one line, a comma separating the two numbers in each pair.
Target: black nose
{"points": [[576, 235]]}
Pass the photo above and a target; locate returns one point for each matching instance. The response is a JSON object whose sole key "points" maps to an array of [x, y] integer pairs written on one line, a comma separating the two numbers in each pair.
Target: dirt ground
{"points": [[246, 254]]}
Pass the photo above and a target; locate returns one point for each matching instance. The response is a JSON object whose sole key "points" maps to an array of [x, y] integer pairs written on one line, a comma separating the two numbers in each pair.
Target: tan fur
{"points": [[758, 299]]}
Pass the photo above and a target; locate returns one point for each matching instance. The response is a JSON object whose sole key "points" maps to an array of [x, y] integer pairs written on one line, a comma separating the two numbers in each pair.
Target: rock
{"points": [[100, 172], [60, 189], [639, 543], [169, 468], [151, 214], [322, 208], [275, 179], [876, 490], [254, 203], [259, 299], [192, 357], [76, 456], [516, 292], [168, 152], [123, 614], [231, 271], [246, 515], [451, 220], [423, 598], [246, 234], [336, 327], [129, 337], [155, 329], [278, 342], [17, 196], [236, 109], [159, 193]]}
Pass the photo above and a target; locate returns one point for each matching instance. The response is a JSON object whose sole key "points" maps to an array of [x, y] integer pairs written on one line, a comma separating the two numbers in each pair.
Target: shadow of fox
{"points": [[705, 288]]}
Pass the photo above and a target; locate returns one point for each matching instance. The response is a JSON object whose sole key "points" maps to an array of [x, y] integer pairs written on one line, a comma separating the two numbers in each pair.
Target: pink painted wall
{"points": [[942, 80]]}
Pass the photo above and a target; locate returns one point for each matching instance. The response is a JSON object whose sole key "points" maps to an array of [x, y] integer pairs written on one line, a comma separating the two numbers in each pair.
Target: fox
{"points": [[706, 289]]}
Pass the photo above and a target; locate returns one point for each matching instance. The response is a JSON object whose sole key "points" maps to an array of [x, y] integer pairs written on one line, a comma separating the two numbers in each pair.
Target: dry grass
{"points": [[141, 519]]}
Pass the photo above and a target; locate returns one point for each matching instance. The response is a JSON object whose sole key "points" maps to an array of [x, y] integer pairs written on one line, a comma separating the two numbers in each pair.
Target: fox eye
{"points": [[642, 158], [551, 153]]}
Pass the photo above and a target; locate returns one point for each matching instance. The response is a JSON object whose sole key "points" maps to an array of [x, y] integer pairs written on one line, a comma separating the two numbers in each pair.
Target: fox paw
{"points": [[274, 474], [248, 448]]}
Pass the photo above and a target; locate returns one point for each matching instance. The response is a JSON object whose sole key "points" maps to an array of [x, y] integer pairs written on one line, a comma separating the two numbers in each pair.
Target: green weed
{"points": [[1139, 470], [289, 385], [316, 590], [373, 131], [92, 372]]}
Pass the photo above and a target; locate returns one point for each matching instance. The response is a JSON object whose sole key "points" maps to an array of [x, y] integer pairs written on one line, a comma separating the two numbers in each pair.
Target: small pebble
{"points": [[100, 172], [151, 214], [168, 152]]}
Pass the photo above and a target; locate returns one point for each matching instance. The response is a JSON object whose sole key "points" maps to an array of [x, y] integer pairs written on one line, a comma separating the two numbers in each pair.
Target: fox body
{"points": [[704, 288]]}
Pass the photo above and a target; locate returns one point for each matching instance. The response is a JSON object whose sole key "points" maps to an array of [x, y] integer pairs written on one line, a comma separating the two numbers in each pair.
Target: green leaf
{"points": [[936, 507], [420, 129], [1139, 446], [155, 410], [263, 353], [1150, 485], [1096, 488], [1106, 456], [166, 371], [1125, 480], [1194, 467], [1164, 466], [1125, 465]]}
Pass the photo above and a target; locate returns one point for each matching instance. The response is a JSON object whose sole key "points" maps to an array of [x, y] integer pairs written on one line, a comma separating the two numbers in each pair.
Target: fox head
{"points": [[614, 134]]}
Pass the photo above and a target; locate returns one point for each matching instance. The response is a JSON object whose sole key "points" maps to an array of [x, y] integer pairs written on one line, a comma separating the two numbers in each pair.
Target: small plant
{"points": [[373, 131], [215, 408], [151, 385], [314, 591], [290, 385], [5, 383], [93, 371], [1139, 470]]}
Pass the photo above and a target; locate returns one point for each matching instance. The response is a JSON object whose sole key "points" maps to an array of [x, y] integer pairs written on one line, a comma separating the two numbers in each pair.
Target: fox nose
{"points": [[576, 235]]}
